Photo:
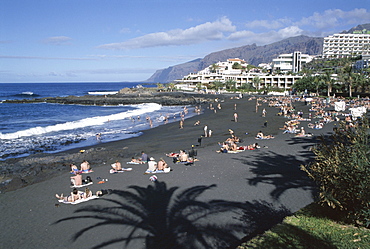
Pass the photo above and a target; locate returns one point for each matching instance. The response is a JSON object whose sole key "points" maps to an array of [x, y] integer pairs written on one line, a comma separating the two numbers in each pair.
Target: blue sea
{"points": [[27, 129]]}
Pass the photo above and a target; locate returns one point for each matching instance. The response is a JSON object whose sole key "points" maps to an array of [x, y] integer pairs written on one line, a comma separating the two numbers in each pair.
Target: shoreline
{"points": [[19, 172], [270, 174]]}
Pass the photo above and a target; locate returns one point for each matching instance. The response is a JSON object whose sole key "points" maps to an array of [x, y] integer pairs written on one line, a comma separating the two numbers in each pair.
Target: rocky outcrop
{"points": [[125, 97]]}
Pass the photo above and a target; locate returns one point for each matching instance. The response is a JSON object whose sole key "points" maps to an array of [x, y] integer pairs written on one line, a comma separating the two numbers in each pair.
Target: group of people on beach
{"points": [[77, 181]]}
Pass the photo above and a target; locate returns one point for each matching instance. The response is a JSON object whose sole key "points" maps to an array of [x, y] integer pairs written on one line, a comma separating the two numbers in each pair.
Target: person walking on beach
{"points": [[200, 140], [235, 117], [264, 112], [181, 124], [205, 130]]}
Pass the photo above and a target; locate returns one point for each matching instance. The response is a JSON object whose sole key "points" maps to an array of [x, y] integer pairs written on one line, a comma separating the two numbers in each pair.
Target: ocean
{"points": [[27, 129]]}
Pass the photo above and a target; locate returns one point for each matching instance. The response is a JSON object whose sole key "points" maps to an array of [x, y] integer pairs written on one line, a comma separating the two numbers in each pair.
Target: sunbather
{"points": [[117, 166], [161, 165], [74, 196], [74, 168], [85, 166], [260, 135], [77, 179]]}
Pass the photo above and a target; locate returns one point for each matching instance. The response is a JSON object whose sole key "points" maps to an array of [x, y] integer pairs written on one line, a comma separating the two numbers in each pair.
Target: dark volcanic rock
{"points": [[163, 98]]}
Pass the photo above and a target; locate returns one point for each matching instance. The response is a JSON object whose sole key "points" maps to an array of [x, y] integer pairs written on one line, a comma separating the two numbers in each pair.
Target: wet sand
{"points": [[269, 174]]}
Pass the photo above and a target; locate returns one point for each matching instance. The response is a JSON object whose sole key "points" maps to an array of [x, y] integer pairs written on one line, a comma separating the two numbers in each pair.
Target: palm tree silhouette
{"points": [[168, 221]]}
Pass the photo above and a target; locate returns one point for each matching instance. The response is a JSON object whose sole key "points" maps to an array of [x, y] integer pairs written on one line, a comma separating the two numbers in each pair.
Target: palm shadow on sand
{"points": [[161, 219], [282, 171], [165, 219]]}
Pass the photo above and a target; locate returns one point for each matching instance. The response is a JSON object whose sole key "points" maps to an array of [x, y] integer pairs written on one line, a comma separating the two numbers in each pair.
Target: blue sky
{"points": [[116, 40]]}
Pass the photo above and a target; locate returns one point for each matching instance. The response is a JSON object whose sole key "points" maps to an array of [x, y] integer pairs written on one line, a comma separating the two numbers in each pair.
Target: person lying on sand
{"points": [[74, 196], [136, 161], [85, 194], [224, 148], [260, 135], [183, 156]]}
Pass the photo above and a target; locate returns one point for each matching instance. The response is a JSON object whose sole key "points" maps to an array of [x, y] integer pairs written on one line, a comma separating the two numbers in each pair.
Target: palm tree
{"points": [[348, 77], [256, 82], [328, 81], [163, 220], [230, 84], [217, 84]]}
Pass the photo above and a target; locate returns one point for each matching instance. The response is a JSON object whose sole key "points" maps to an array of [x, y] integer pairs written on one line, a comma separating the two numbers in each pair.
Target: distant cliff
{"points": [[357, 28], [252, 54]]}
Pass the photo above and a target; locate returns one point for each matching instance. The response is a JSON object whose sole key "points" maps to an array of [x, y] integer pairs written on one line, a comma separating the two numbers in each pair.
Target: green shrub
{"points": [[341, 170]]}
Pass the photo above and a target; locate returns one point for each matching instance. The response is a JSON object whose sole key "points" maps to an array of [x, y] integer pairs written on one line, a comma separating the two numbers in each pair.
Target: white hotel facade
{"points": [[343, 45]]}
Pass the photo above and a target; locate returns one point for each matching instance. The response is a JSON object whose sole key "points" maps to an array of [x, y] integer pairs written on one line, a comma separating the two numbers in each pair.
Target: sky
{"points": [[128, 40]]}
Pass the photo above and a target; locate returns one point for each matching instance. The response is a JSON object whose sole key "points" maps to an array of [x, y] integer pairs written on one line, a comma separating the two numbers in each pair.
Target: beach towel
{"points": [[79, 201], [112, 171], [236, 151], [132, 163], [265, 138], [305, 135], [83, 185], [172, 154], [166, 170], [86, 172]]}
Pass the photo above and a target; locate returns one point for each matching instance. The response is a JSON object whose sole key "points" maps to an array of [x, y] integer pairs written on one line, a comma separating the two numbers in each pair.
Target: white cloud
{"points": [[58, 40], [318, 24], [203, 32], [267, 37], [334, 17], [273, 24]]}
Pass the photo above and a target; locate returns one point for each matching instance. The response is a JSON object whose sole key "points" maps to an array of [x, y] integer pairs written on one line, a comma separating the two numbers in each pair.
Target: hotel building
{"points": [[290, 62], [343, 45]]}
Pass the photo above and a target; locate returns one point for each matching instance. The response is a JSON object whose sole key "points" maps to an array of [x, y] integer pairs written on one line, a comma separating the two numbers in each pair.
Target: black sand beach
{"points": [[269, 174]]}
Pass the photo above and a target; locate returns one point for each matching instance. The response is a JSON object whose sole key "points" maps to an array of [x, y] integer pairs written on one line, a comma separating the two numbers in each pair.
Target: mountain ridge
{"points": [[252, 54]]}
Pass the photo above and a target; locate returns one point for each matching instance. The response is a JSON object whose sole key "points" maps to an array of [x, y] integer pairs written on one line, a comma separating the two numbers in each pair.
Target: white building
{"points": [[226, 67], [291, 62], [223, 73], [343, 45]]}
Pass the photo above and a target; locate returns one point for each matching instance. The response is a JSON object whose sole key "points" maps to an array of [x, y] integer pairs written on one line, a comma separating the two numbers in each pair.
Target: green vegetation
{"points": [[342, 172], [311, 227], [326, 77], [236, 65], [341, 217]]}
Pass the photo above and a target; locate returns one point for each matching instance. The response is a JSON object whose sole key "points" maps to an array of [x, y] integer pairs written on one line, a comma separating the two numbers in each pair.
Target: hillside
{"points": [[253, 54]]}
